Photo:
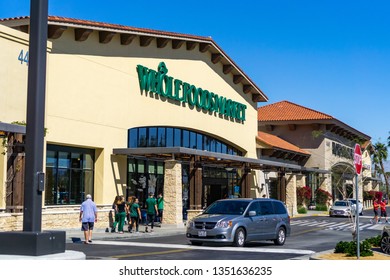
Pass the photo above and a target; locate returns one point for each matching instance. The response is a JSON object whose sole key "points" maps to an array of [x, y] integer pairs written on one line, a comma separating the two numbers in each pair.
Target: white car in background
{"points": [[360, 206]]}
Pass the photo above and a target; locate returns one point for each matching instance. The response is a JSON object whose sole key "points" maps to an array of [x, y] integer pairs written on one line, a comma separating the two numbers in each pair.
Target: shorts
{"points": [[383, 214], [376, 212], [87, 226], [160, 212]]}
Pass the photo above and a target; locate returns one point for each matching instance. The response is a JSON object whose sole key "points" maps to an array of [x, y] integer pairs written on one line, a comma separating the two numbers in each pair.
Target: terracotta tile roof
{"points": [[288, 111], [277, 142]]}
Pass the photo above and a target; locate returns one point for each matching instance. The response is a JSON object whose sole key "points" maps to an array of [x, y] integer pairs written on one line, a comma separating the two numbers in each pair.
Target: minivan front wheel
{"points": [[239, 238], [281, 237]]}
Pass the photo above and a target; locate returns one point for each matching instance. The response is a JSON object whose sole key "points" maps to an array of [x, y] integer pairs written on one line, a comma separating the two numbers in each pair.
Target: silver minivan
{"points": [[239, 221]]}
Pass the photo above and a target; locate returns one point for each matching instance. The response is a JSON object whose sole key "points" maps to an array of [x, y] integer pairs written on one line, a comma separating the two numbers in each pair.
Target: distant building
{"points": [[291, 133]]}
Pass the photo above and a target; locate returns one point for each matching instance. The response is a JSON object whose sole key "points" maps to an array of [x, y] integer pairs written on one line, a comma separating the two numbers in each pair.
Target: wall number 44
{"points": [[23, 57]]}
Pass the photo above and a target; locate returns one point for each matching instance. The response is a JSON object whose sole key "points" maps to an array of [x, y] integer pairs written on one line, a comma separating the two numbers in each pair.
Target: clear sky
{"points": [[331, 56]]}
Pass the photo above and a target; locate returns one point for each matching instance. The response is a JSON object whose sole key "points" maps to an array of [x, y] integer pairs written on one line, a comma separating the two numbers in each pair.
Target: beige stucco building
{"points": [[129, 111], [321, 143]]}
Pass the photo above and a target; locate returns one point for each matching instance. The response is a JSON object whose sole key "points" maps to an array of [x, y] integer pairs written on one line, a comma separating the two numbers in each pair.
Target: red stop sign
{"points": [[357, 159]]}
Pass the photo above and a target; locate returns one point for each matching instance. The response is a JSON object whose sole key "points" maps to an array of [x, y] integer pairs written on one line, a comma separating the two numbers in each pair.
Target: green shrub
{"points": [[321, 207], [342, 247], [302, 210], [375, 241], [365, 249], [350, 248]]}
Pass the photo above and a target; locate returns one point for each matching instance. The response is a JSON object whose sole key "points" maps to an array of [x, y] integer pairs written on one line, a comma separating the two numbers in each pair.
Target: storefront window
{"points": [[69, 175], [176, 137], [152, 137], [161, 136], [186, 139], [169, 141]]}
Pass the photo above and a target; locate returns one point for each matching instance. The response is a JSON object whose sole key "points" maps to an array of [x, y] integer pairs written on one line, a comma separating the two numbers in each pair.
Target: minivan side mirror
{"points": [[252, 213]]}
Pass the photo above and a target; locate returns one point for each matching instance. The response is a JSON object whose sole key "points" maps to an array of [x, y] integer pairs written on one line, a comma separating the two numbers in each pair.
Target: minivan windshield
{"points": [[227, 207]]}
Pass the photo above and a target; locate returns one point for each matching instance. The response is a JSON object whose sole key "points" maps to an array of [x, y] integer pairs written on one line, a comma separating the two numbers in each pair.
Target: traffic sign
{"points": [[357, 159]]}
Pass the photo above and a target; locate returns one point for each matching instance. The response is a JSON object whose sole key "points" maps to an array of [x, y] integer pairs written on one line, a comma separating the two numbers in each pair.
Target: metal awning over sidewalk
{"points": [[12, 128], [211, 158]]}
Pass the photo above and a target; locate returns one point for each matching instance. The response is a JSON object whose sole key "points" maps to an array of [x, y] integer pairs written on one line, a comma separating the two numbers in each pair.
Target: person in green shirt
{"points": [[151, 211], [160, 206], [135, 215]]}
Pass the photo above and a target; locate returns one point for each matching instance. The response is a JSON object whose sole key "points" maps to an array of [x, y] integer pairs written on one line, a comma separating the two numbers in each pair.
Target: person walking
{"points": [[129, 202], [116, 216], [120, 209], [88, 217], [376, 208], [151, 211], [135, 215], [160, 207], [382, 205]]}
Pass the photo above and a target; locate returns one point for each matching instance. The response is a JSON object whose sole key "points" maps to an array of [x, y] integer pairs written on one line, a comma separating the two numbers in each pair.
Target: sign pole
{"points": [[358, 162], [357, 217]]}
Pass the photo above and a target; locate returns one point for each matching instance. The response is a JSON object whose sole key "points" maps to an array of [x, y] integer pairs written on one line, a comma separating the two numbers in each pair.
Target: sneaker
{"points": [[112, 230], [89, 241], [371, 221], [146, 230]]}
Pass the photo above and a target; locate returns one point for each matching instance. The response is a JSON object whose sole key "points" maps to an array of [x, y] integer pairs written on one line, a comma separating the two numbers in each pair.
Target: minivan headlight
{"points": [[224, 224]]}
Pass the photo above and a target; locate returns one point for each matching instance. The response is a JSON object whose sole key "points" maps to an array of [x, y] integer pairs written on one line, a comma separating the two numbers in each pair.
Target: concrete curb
{"points": [[67, 255]]}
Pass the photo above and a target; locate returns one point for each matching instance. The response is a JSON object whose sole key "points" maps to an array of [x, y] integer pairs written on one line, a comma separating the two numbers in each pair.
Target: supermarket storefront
{"points": [[131, 111]]}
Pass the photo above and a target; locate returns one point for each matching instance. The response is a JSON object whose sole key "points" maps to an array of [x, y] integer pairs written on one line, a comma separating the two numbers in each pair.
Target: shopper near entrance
{"points": [[129, 202], [120, 209], [116, 217], [151, 211], [382, 205], [160, 207], [376, 209], [135, 215], [88, 217]]}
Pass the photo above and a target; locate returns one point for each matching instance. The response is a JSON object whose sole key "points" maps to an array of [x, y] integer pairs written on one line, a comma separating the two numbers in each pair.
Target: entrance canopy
{"points": [[211, 158], [13, 128]]}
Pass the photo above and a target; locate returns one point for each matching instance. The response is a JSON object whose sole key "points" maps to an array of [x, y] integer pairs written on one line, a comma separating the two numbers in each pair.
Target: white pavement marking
{"points": [[190, 247], [334, 225]]}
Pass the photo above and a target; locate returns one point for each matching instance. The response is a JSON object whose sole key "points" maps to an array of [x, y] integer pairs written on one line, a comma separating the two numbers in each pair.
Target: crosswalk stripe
{"points": [[334, 225]]}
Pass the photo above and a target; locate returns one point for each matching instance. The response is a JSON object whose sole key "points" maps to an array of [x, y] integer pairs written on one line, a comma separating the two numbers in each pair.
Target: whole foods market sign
{"points": [[158, 82]]}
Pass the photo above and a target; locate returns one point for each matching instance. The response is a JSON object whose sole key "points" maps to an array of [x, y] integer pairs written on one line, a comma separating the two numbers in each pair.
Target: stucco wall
{"points": [[93, 98]]}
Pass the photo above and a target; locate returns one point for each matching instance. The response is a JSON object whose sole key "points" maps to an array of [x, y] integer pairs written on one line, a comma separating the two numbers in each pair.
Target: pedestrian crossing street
{"points": [[337, 225]]}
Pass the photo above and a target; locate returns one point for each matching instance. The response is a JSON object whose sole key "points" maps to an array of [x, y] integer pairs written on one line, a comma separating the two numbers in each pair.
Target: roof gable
{"points": [[288, 111]]}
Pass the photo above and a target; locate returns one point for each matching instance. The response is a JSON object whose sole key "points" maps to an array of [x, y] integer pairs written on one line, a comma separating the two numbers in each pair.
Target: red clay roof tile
{"points": [[288, 111]]}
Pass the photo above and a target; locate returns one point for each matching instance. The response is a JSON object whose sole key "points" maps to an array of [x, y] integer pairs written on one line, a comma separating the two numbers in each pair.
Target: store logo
{"points": [[158, 82]]}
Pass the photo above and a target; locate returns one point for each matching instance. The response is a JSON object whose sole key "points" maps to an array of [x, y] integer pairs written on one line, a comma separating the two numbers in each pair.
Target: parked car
{"points": [[239, 221], [360, 206], [385, 240], [341, 208]]}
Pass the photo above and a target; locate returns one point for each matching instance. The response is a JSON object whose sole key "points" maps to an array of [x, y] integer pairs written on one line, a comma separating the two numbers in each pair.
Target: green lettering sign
{"points": [[158, 82]]}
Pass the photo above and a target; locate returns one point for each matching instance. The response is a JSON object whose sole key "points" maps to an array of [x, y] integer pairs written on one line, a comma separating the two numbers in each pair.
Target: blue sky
{"points": [[331, 56]]}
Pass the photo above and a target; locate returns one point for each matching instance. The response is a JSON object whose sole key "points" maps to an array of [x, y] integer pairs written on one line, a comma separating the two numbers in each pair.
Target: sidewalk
{"points": [[76, 235]]}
